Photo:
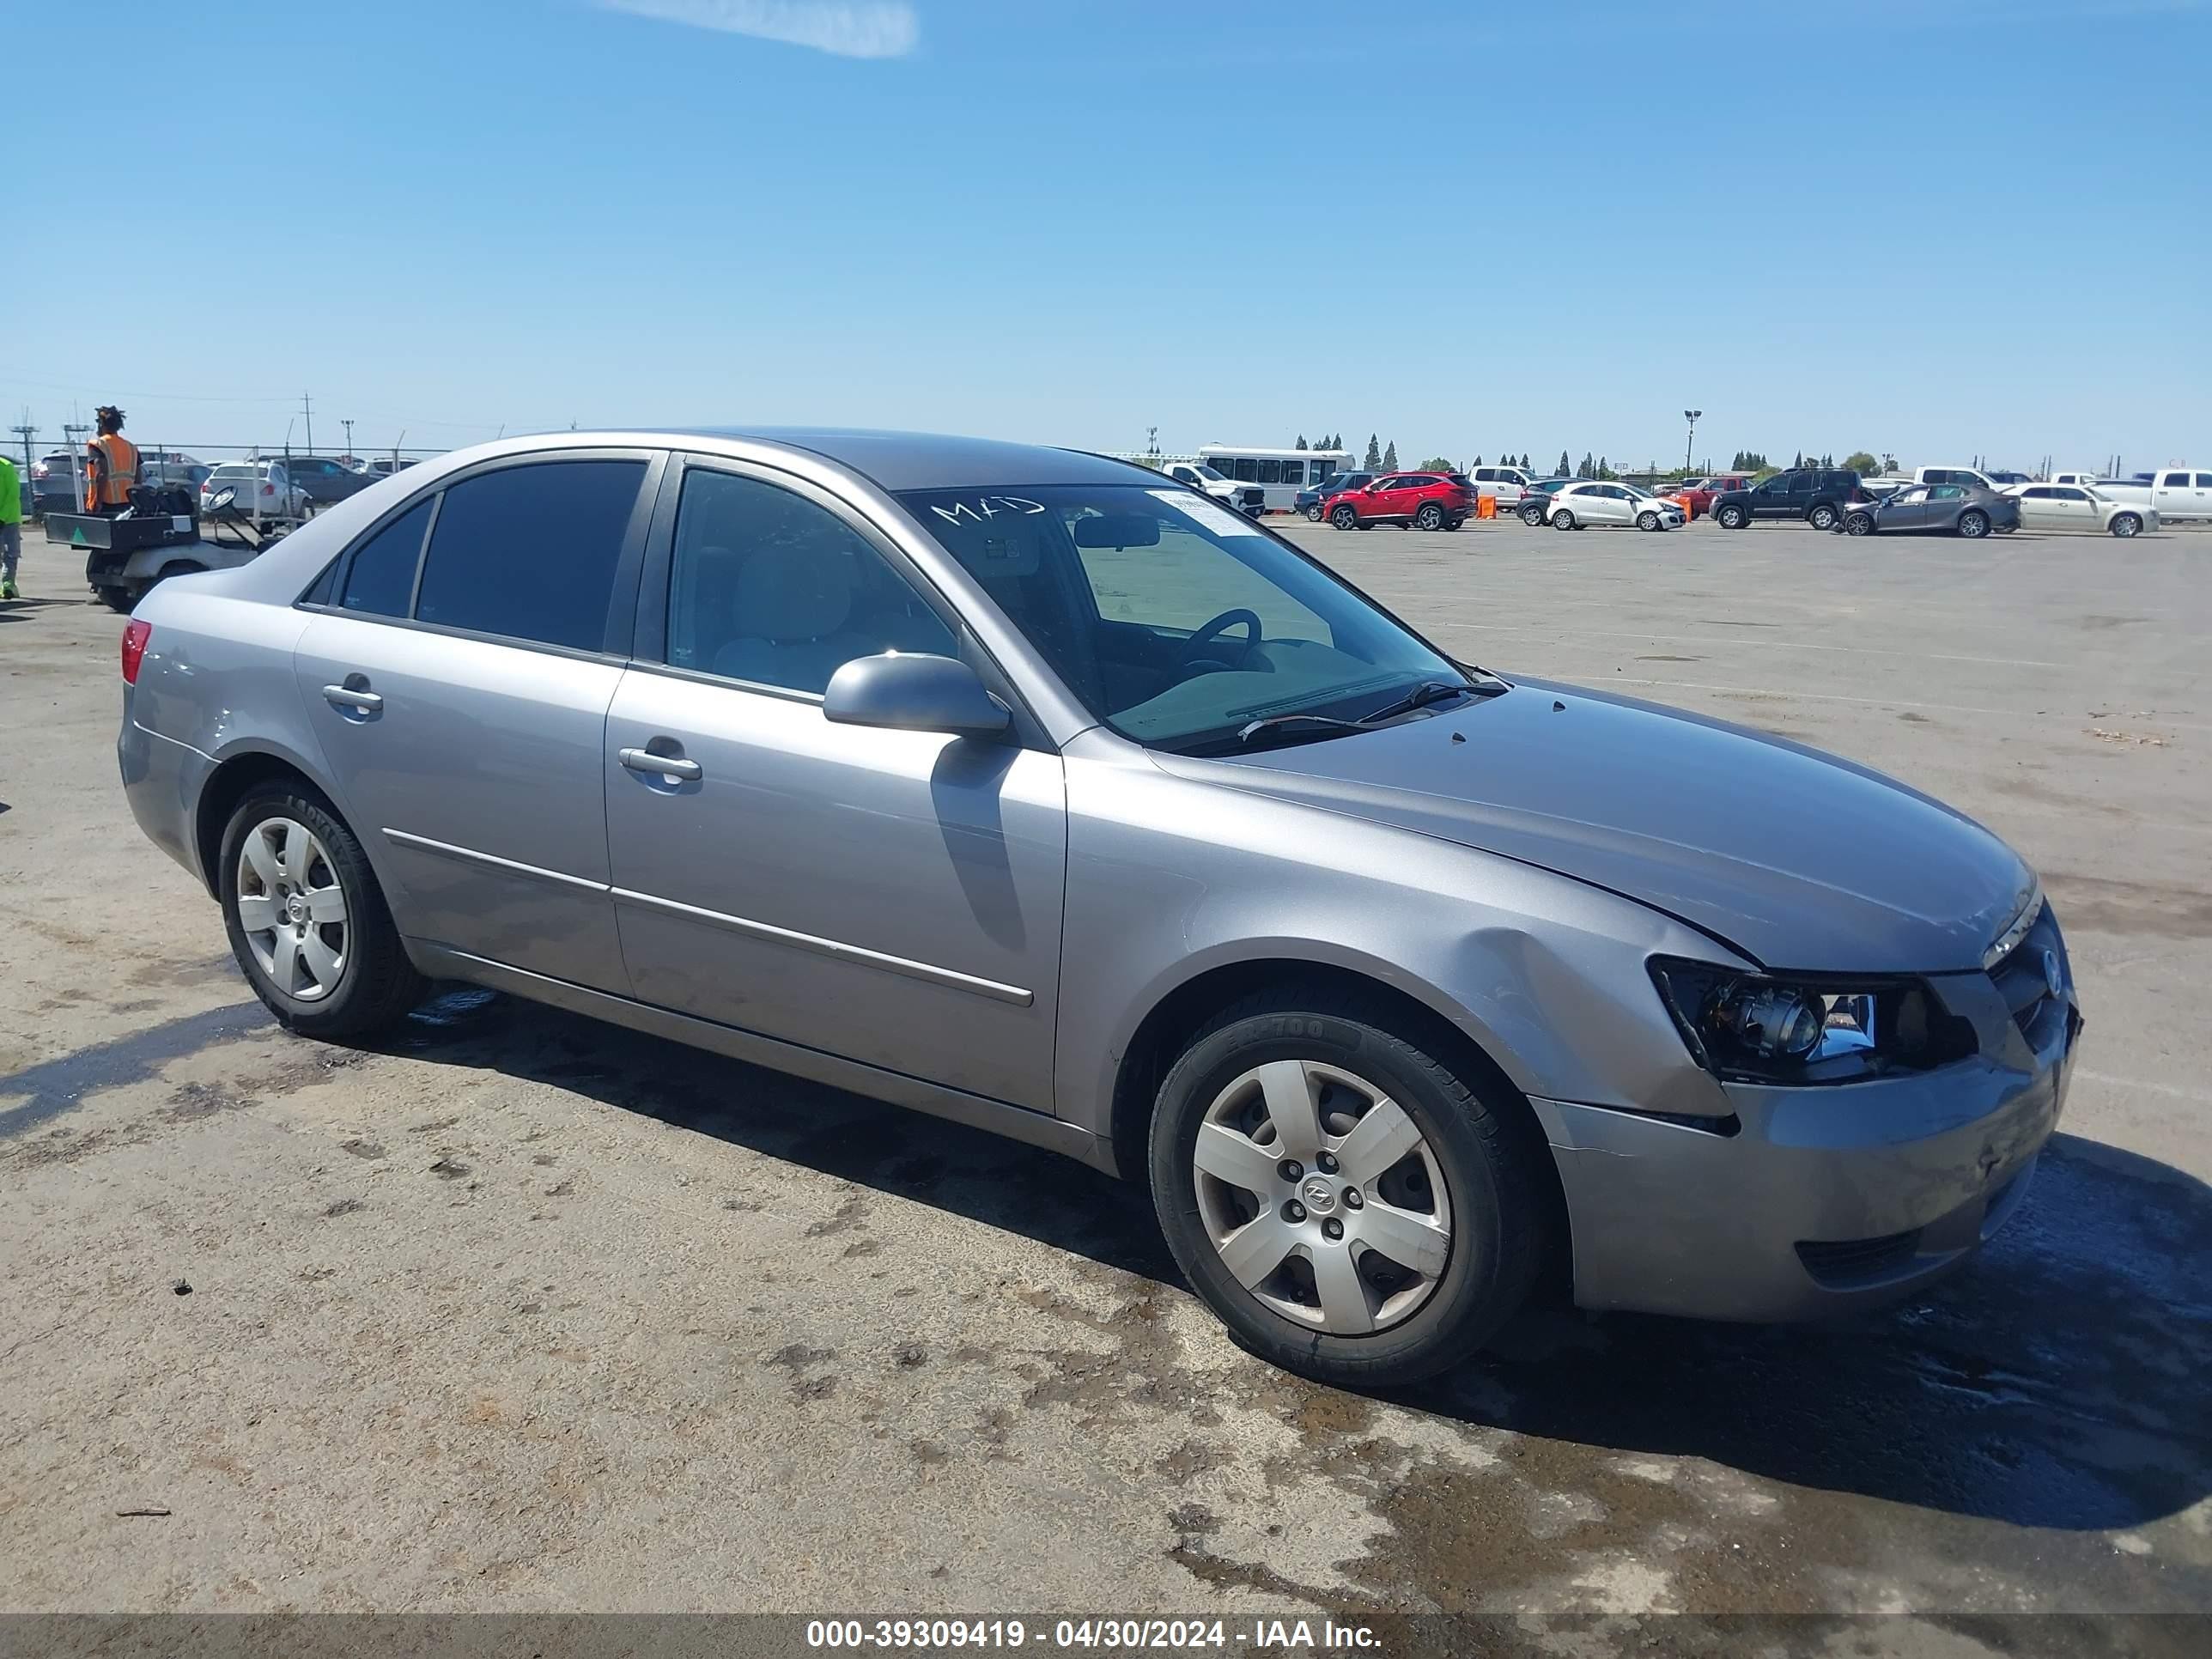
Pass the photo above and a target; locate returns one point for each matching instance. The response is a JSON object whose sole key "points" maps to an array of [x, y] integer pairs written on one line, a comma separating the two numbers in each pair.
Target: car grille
{"points": [[1859, 1260], [2020, 980]]}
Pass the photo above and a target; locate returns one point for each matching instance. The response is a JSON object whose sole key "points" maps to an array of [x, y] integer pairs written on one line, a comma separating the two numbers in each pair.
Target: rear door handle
{"points": [[345, 697], [666, 766]]}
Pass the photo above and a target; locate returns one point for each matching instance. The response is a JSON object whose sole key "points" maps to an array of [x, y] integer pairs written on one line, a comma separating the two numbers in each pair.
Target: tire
{"points": [[1732, 518], [1564, 519], [1973, 525], [2125, 524], [372, 985], [1473, 1167], [1821, 516], [121, 600], [1859, 524], [1314, 514], [1533, 517], [1647, 521], [1431, 517], [1344, 518]]}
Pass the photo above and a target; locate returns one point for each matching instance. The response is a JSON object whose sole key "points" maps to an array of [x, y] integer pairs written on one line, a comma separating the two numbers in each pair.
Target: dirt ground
{"points": [[523, 1313]]}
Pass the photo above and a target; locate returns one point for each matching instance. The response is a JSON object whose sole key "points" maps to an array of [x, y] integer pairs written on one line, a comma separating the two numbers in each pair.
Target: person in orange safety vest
{"points": [[111, 464]]}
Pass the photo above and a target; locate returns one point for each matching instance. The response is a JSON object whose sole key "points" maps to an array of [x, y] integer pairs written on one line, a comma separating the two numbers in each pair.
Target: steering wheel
{"points": [[1194, 651]]}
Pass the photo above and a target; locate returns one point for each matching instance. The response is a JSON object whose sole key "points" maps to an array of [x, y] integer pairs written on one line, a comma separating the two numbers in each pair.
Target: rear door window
{"points": [[530, 551], [380, 581], [2176, 481]]}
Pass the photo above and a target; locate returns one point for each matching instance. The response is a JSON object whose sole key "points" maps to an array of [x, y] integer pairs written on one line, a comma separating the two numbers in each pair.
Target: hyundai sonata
{"points": [[1035, 791]]}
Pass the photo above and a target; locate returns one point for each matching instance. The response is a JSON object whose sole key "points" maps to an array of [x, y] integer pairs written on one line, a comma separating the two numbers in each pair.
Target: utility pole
{"points": [[348, 425], [1151, 440], [309, 410], [25, 432], [1692, 416], [74, 431]]}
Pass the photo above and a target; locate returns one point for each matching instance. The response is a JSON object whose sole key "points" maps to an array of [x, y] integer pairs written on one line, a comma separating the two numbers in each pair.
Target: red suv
{"points": [[1420, 500]]}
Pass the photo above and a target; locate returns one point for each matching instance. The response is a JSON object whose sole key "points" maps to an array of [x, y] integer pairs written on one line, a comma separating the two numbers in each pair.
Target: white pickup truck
{"points": [[1890, 482], [2172, 492], [1242, 497]]}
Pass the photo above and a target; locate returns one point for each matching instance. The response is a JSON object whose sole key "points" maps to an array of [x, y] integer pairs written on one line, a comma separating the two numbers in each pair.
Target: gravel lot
{"points": [[524, 1313]]}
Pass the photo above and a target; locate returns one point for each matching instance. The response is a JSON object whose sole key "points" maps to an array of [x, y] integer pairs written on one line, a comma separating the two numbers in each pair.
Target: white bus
{"points": [[1280, 473]]}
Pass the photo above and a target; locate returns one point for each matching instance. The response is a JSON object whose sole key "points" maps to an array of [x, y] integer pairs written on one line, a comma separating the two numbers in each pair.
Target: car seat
{"points": [[796, 602]]}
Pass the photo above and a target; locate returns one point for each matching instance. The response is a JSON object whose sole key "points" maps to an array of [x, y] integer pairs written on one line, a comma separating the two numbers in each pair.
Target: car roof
{"points": [[924, 460]]}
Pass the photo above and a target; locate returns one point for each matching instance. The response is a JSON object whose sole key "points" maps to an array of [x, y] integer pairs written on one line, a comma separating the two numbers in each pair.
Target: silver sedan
{"points": [[1033, 790]]}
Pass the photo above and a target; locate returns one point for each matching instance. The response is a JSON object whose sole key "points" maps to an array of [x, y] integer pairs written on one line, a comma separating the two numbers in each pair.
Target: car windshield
{"points": [[1175, 621]]}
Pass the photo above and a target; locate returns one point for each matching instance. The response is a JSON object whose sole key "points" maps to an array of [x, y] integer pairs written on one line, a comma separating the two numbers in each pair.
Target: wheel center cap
{"points": [[295, 906], [1319, 1194]]}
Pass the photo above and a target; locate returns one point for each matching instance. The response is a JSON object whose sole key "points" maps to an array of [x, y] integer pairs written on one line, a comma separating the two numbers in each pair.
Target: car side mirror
{"points": [[901, 691]]}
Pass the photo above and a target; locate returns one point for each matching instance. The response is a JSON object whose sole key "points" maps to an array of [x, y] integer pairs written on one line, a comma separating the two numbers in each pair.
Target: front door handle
{"points": [[666, 766], [362, 702]]}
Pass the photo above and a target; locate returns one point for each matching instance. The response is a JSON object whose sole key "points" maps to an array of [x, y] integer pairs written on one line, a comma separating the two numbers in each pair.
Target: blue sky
{"points": [[1944, 228]]}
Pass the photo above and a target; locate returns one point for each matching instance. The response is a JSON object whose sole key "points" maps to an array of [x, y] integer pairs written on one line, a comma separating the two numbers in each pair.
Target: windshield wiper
{"points": [[1420, 696]]}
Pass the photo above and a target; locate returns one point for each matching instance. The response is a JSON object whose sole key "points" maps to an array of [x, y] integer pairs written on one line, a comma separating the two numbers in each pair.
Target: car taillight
{"points": [[134, 638], [269, 490]]}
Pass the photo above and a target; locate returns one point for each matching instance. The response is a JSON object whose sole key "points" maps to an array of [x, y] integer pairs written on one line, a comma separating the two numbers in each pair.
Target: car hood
{"points": [[1796, 858]]}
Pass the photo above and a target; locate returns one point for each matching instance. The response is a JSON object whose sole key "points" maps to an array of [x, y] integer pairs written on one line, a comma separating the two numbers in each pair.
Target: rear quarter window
{"points": [[380, 581], [530, 551]]}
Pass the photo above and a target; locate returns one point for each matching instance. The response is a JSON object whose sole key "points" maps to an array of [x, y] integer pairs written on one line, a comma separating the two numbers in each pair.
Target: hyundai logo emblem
{"points": [[2053, 979]]}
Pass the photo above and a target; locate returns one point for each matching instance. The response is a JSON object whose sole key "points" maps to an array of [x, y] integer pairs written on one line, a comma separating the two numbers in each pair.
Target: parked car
{"points": [[325, 481], [262, 492], [2077, 506], [1948, 509], [384, 465], [1312, 501], [56, 481], [1600, 501], [1412, 500], [1816, 495], [1250, 498], [1697, 495], [1536, 507], [1197, 887]]}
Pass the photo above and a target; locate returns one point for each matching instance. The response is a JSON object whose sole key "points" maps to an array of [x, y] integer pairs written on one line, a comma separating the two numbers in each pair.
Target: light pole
{"points": [[348, 425], [1690, 442]]}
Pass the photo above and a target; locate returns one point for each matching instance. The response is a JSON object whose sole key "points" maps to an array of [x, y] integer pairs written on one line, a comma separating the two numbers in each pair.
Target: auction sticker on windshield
{"points": [[1218, 521]]}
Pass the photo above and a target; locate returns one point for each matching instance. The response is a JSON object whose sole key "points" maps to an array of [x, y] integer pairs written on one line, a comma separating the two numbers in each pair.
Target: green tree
{"points": [[1301, 443], [1438, 464], [1477, 461], [1390, 457], [1589, 467], [1524, 460], [1374, 462], [1859, 461], [1603, 470], [1564, 467]]}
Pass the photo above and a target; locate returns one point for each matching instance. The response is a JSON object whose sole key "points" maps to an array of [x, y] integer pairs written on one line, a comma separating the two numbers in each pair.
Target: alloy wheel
{"points": [[1973, 526], [2126, 525], [292, 908], [1823, 518], [1431, 517], [1323, 1196], [1344, 518]]}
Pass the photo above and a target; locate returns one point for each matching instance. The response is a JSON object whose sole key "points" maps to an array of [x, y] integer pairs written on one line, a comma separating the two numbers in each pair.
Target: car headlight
{"points": [[1807, 1029]]}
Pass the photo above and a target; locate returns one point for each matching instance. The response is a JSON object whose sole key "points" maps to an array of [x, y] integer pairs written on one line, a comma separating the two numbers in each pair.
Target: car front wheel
{"points": [[1860, 524], [307, 921], [1351, 1208], [1647, 521], [1314, 513], [1344, 518], [1563, 519], [2127, 525]]}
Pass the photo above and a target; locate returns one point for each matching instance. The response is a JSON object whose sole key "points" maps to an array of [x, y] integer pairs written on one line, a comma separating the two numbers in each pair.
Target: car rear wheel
{"points": [[1973, 525], [1347, 1204], [306, 920], [1822, 517], [1344, 518], [1732, 518], [1431, 517], [1563, 519], [1532, 516], [2127, 524], [1647, 521]]}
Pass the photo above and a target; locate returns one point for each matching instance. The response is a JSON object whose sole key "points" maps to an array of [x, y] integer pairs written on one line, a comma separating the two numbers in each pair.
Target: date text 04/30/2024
{"points": [[1166, 1635]]}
